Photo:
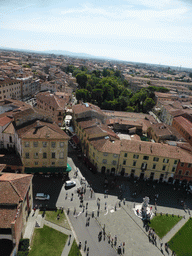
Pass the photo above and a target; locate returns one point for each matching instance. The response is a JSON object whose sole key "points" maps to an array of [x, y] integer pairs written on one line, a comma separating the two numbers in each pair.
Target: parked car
{"points": [[70, 183], [42, 196]]}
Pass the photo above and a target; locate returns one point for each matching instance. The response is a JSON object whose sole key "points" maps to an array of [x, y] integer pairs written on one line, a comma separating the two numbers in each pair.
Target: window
{"points": [[189, 165], [145, 158], [61, 155], [134, 163], [182, 164], [44, 155], [136, 156], [53, 155], [187, 173], [104, 161], [36, 163], [53, 144], [26, 144], [144, 166], [115, 155], [124, 162], [52, 163], [36, 155], [10, 139], [44, 144], [125, 155], [180, 172], [166, 160], [27, 155], [155, 159], [114, 162], [105, 154], [173, 169], [61, 144], [175, 162], [154, 166], [164, 167], [35, 144]]}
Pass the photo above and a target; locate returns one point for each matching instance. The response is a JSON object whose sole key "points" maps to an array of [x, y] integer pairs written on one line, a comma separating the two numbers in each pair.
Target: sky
{"points": [[149, 31]]}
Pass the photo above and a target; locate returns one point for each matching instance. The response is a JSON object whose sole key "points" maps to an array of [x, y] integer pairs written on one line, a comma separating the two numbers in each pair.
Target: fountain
{"points": [[143, 210]]}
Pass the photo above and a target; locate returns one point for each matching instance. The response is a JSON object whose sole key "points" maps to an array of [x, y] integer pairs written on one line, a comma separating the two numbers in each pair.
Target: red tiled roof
{"points": [[7, 216], [17, 185], [41, 130], [4, 120], [185, 123]]}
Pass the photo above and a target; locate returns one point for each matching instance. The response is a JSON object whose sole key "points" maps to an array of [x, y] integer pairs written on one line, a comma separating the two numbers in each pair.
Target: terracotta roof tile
{"points": [[42, 130], [7, 216], [4, 120]]}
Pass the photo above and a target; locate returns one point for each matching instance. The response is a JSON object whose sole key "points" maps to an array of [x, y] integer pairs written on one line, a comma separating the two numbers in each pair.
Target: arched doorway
{"points": [[113, 171], [6, 247], [122, 171], [103, 168], [170, 180]]}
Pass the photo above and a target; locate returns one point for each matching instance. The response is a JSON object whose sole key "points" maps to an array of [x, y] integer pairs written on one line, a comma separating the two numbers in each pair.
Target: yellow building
{"points": [[154, 161], [131, 158], [44, 148]]}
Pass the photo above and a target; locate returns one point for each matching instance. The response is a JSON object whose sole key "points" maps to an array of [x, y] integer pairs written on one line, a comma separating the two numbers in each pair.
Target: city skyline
{"points": [[135, 31]]}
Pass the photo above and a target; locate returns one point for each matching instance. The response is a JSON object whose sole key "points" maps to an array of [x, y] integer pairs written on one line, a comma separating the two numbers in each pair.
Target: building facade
{"points": [[44, 148]]}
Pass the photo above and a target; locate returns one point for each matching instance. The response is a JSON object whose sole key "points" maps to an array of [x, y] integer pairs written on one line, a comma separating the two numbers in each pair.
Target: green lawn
{"points": [[162, 224], [52, 216], [181, 243], [47, 241], [74, 250]]}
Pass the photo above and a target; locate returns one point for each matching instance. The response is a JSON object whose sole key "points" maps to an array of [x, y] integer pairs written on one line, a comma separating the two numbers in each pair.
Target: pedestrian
{"points": [[123, 247], [86, 206], [155, 240], [79, 245]]}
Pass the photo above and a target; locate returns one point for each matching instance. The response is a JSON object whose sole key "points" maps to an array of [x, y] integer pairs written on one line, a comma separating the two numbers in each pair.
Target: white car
{"points": [[70, 183], [42, 196]]}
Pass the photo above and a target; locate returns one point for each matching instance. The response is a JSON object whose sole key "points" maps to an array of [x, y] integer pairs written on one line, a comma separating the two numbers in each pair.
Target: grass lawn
{"points": [[162, 224], [52, 216], [47, 241], [181, 243], [74, 250]]}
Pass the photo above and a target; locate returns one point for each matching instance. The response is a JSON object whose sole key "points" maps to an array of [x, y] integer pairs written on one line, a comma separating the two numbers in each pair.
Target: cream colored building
{"points": [[10, 88], [44, 148]]}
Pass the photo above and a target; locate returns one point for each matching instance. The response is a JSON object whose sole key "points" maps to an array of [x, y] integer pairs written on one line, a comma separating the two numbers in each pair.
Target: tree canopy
{"points": [[109, 90]]}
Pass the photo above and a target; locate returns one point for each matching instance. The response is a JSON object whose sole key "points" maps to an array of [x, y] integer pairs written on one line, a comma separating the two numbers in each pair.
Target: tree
{"points": [[83, 94], [190, 75], [81, 80], [97, 95], [148, 104]]}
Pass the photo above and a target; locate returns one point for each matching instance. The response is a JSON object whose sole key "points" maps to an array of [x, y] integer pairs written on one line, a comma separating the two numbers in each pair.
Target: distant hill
{"points": [[61, 52]]}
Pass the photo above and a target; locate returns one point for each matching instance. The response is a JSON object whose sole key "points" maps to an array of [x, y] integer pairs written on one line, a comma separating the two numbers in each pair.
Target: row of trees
{"points": [[109, 90]]}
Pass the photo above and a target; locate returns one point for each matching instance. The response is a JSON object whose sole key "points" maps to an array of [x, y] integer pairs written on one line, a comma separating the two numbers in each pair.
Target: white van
{"points": [[42, 196]]}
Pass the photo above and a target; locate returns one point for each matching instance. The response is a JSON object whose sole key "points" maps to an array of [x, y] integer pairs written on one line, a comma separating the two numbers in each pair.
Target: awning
{"points": [[48, 169]]}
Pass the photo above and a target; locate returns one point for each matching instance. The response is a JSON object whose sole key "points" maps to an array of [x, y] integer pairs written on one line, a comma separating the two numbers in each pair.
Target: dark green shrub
{"points": [[22, 253], [24, 245]]}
